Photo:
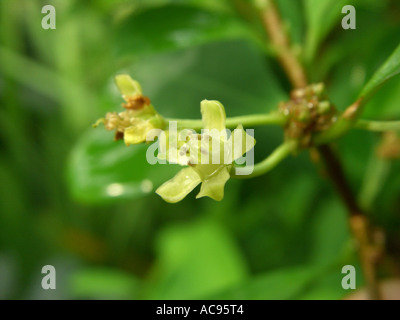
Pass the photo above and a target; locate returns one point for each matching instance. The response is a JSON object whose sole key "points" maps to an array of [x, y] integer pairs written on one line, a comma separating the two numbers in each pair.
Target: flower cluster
{"points": [[139, 118], [308, 111], [208, 157]]}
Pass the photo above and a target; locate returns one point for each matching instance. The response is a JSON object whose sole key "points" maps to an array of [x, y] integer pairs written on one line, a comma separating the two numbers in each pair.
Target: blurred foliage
{"points": [[73, 198]]}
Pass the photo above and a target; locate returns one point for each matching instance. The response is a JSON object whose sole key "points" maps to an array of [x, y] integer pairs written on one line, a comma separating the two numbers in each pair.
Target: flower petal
{"points": [[205, 171], [213, 187], [173, 149], [213, 115], [180, 186], [127, 86], [134, 135], [137, 132], [240, 142], [140, 127]]}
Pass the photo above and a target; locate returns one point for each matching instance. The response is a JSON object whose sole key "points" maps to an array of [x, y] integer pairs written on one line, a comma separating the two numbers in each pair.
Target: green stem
{"points": [[272, 160], [273, 118], [378, 125], [343, 125]]}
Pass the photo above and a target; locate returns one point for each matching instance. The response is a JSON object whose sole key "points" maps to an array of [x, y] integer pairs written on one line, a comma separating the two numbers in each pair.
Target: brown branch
{"points": [[336, 175], [358, 221], [281, 43]]}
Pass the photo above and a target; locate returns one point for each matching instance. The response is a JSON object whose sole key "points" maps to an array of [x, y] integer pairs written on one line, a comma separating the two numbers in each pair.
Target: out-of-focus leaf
{"points": [[351, 67], [8, 277], [174, 27], [232, 72], [328, 286], [321, 17], [139, 5], [101, 169], [387, 204], [331, 234], [102, 284], [195, 261], [345, 47], [384, 104], [388, 70], [355, 154], [291, 12], [282, 284], [301, 191]]}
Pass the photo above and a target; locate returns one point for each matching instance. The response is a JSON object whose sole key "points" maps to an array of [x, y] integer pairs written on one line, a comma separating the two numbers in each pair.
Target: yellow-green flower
{"points": [[139, 118], [211, 143]]}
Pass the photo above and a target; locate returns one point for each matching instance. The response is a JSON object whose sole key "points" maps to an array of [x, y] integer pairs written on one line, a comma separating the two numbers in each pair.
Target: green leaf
{"points": [[276, 285], [176, 82], [102, 169], [174, 27], [388, 70], [141, 5], [301, 190], [195, 261], [291, 12], [349, 73], [384, 103], [213, 115], [321, 17], [102, 283], [8, 277], [328, 286], [331, 235]]}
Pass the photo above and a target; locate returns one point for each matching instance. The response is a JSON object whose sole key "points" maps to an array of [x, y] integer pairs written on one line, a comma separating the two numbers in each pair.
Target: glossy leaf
{"points": [[174, 27], [102, 169]]}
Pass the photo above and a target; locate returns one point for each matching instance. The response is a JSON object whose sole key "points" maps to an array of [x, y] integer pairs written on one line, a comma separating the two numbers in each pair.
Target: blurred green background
{"points": [[279, 236]]}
